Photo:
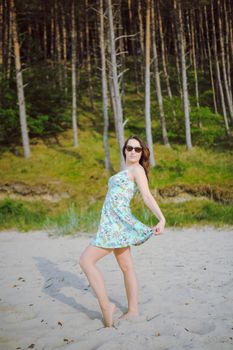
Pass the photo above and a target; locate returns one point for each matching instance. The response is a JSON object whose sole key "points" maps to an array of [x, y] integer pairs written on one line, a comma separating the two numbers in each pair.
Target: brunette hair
{"points": [[144, 160]]}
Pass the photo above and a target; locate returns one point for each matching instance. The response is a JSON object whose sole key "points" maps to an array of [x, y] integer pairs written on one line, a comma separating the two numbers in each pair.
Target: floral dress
{"points": [[118, 227]]}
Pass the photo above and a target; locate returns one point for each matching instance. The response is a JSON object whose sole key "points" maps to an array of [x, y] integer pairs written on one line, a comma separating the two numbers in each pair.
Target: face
{"points": [[132, 156]]}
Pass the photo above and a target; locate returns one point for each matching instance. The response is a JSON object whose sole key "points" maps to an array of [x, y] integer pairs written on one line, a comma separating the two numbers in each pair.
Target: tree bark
{"points": [[90, 87], [1, 35], [19, 81], [165, 72], [227, 130], [147, 86], [115, 84], [58, 45], [157, 81], [177, 58], [227, 37], [73, 64], [180, 33], [225, 78], [64, 48], [104, 88], [210, 60], [195, 64], [141, 33]]}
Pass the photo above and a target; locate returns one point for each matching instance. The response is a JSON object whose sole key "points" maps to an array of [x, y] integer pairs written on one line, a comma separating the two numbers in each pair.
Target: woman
{"points": [[119, 229]]}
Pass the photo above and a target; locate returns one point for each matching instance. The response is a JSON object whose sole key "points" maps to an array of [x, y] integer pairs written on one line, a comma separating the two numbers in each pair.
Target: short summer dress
{"points": [[118, 227]]}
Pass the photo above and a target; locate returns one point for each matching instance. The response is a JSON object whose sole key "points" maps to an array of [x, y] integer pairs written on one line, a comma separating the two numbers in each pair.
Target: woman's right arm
{"points": [[142, 183]]}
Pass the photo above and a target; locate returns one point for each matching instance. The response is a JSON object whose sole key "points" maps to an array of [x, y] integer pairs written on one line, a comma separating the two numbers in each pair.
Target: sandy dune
{"points": [[186, 293]]}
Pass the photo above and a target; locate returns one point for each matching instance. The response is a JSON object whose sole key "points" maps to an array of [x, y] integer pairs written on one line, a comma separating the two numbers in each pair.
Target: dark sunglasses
{"points": [[137, 149]]}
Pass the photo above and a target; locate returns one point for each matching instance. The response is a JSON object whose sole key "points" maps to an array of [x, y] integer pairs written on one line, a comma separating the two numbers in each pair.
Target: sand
{"points": [[185, 297]]}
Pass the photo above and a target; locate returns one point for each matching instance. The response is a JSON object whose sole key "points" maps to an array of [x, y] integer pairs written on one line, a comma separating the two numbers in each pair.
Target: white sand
{"points": [[186, 293]]}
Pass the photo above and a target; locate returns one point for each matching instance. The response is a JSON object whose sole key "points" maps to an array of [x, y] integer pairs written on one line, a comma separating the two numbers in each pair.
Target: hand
{"points": [[158, 229]]}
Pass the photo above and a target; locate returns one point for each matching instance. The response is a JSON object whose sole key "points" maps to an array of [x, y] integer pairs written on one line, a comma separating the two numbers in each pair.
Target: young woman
{"points": [[119, 229]]}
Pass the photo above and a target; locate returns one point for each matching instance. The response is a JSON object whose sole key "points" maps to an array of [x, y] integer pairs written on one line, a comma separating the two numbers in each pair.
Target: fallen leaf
{"points": [[59, 323], [31, 346], [68, 341], [187, 329]]}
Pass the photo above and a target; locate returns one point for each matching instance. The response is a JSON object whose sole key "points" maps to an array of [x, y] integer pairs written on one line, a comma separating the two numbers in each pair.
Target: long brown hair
{"points": [[144, 160]]}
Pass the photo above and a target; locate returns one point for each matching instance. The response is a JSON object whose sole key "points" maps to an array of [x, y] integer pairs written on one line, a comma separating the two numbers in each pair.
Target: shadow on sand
{"points": [[56, 279]]}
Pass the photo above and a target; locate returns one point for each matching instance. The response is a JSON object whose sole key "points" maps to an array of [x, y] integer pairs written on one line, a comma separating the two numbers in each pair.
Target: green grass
{"points": [[81, 172]]}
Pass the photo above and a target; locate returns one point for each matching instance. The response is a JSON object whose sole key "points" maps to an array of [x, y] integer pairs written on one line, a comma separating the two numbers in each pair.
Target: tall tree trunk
{"points": [[132, 25], [1, 35], [8, 43], [147, 86], [45, 37], [164, 58], [104, 88], [157, 80], [90, 87], [225, 78], [52, 35], [227, 130], [227, 36], [64, 46], [180, 33], [19, 80], [174, 34], [116, 97], [73, 64], [202, 36], [141, 32], [210, 60], [165, 72], [122, 60], [195, 65], [58, 45]]}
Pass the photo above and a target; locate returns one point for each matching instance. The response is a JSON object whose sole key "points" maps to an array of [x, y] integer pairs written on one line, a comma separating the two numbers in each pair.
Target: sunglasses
{"points": [[137, 149]]}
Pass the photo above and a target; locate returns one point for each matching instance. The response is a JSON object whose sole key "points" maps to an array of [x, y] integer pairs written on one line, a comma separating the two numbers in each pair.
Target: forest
{"points": [[77, 77]]}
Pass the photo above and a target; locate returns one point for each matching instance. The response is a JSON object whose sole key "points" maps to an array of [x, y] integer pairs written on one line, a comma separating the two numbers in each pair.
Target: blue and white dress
{"points": [[118, 227]]}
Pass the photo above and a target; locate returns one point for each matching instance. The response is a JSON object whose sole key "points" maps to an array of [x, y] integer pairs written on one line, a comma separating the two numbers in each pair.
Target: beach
{"points": [[185, 293]]}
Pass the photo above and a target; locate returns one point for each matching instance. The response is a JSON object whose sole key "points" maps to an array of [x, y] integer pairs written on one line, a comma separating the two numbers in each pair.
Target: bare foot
{"points": [[108, 315]]}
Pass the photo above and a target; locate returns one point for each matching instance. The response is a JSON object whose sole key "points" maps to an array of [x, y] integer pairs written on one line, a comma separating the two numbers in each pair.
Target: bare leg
{"points": [[125, 261], [87, 262]]}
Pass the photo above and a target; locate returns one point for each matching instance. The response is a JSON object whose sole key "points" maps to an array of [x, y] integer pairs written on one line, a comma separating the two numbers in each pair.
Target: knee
{"points": [[84, 263], [126, 267]]}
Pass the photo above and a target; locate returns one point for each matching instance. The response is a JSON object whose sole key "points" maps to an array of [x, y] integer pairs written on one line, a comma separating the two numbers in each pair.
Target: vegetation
{"points": [[81, 173], [171, 62]]}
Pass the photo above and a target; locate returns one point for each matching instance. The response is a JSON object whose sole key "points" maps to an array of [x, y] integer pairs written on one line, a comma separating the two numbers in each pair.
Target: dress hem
{"points": [[122, 246]]}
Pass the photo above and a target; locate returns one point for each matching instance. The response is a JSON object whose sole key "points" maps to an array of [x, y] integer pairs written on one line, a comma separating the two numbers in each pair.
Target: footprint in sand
{"points": [[200, 327], [122, 322]]}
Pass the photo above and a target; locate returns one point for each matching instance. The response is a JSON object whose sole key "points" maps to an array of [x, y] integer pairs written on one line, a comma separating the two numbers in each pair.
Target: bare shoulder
{"points": [[137, 171], [140, 179]]}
